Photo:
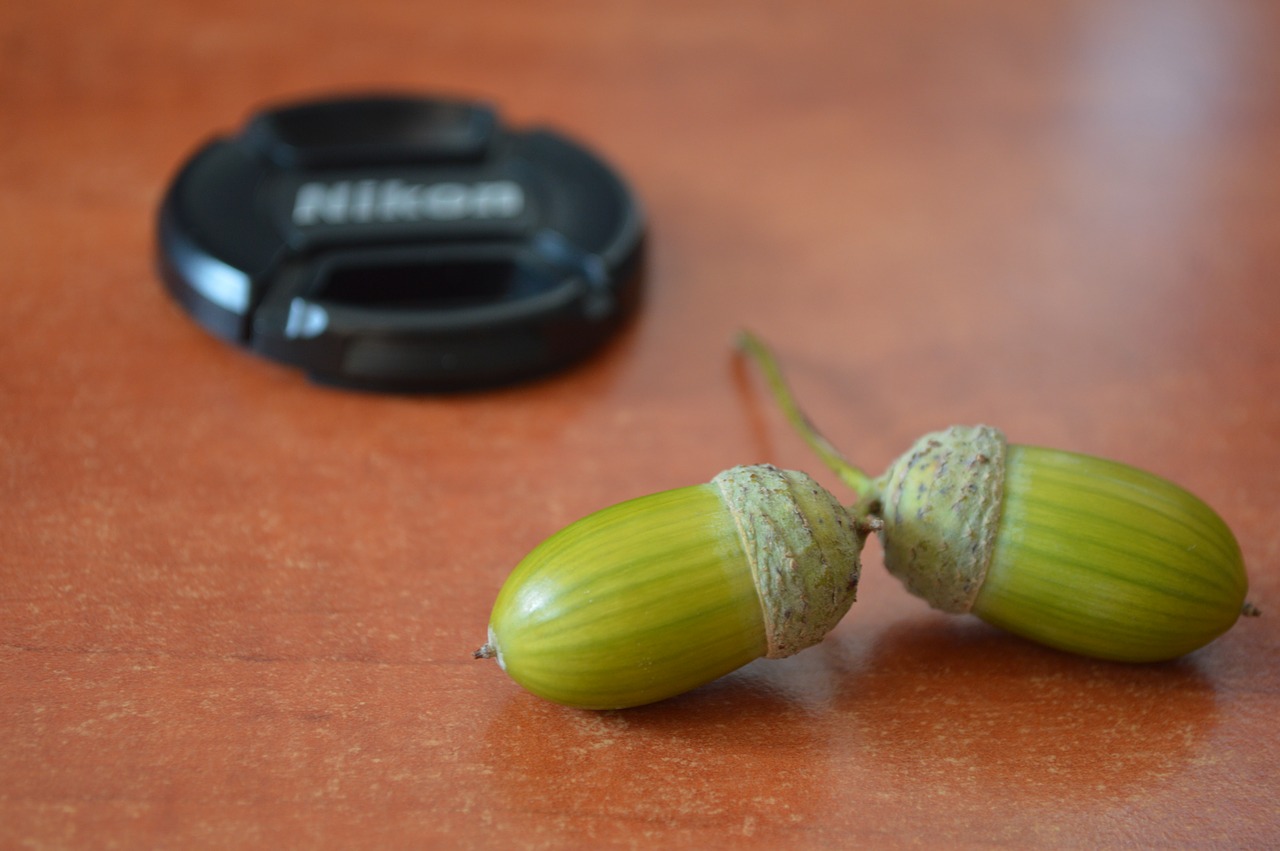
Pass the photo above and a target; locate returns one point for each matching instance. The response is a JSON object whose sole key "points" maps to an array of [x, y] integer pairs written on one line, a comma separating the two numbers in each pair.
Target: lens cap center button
{"points": [[374, 131]]}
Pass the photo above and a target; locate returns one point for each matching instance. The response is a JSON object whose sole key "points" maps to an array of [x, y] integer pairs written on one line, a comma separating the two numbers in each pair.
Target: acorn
{"points": [[1076, 552], [661, 594], [658, 595], [1082, 554]]}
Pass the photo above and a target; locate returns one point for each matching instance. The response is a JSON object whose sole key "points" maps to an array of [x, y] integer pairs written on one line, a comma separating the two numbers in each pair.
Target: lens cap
{"points": [[402, 243]]}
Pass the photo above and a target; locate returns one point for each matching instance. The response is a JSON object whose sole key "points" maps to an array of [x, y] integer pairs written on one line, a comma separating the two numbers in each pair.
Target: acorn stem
{"points": [[853, 476]]}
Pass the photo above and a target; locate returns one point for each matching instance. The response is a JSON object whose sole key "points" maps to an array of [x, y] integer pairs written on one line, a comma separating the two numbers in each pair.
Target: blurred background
{"points": [[237, 608]]}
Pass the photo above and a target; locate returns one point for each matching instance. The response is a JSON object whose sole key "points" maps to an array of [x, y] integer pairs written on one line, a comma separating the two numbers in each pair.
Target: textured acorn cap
{"points": [[941, 503], [803, 548]]}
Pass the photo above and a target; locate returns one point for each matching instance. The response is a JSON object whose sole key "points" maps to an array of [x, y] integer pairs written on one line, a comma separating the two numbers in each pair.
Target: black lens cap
{"points": [[402, 243]]}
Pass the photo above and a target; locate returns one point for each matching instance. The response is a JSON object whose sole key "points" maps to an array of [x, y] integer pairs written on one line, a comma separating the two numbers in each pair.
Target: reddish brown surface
{"points": [[237, 609]]}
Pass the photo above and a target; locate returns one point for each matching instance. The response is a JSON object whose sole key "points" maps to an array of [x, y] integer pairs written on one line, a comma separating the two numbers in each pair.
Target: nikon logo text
{"points": [[385, 201]]}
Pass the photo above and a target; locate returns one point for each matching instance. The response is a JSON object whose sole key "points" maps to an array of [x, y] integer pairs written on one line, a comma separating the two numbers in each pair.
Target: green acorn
{"points": [[658, 595], [1076, 552]]}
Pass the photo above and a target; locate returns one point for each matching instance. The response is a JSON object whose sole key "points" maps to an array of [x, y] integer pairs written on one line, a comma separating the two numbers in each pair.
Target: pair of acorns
{"points": [[659, 595]]}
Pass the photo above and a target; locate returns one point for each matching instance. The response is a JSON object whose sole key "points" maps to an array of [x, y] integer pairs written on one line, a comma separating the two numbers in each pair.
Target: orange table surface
{"points": [[237, 608]]}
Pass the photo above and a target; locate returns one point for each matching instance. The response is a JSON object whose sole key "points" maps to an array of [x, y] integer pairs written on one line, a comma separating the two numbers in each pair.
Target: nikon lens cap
{"points": [[399, 243]]}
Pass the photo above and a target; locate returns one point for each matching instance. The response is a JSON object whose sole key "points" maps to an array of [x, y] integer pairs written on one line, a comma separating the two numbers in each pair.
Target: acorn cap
{"points": [[804, 550], [941, 502]]}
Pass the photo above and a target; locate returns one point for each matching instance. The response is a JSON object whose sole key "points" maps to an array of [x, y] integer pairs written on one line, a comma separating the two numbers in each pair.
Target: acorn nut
{"points": [[1075, 552], [660, 594]]}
